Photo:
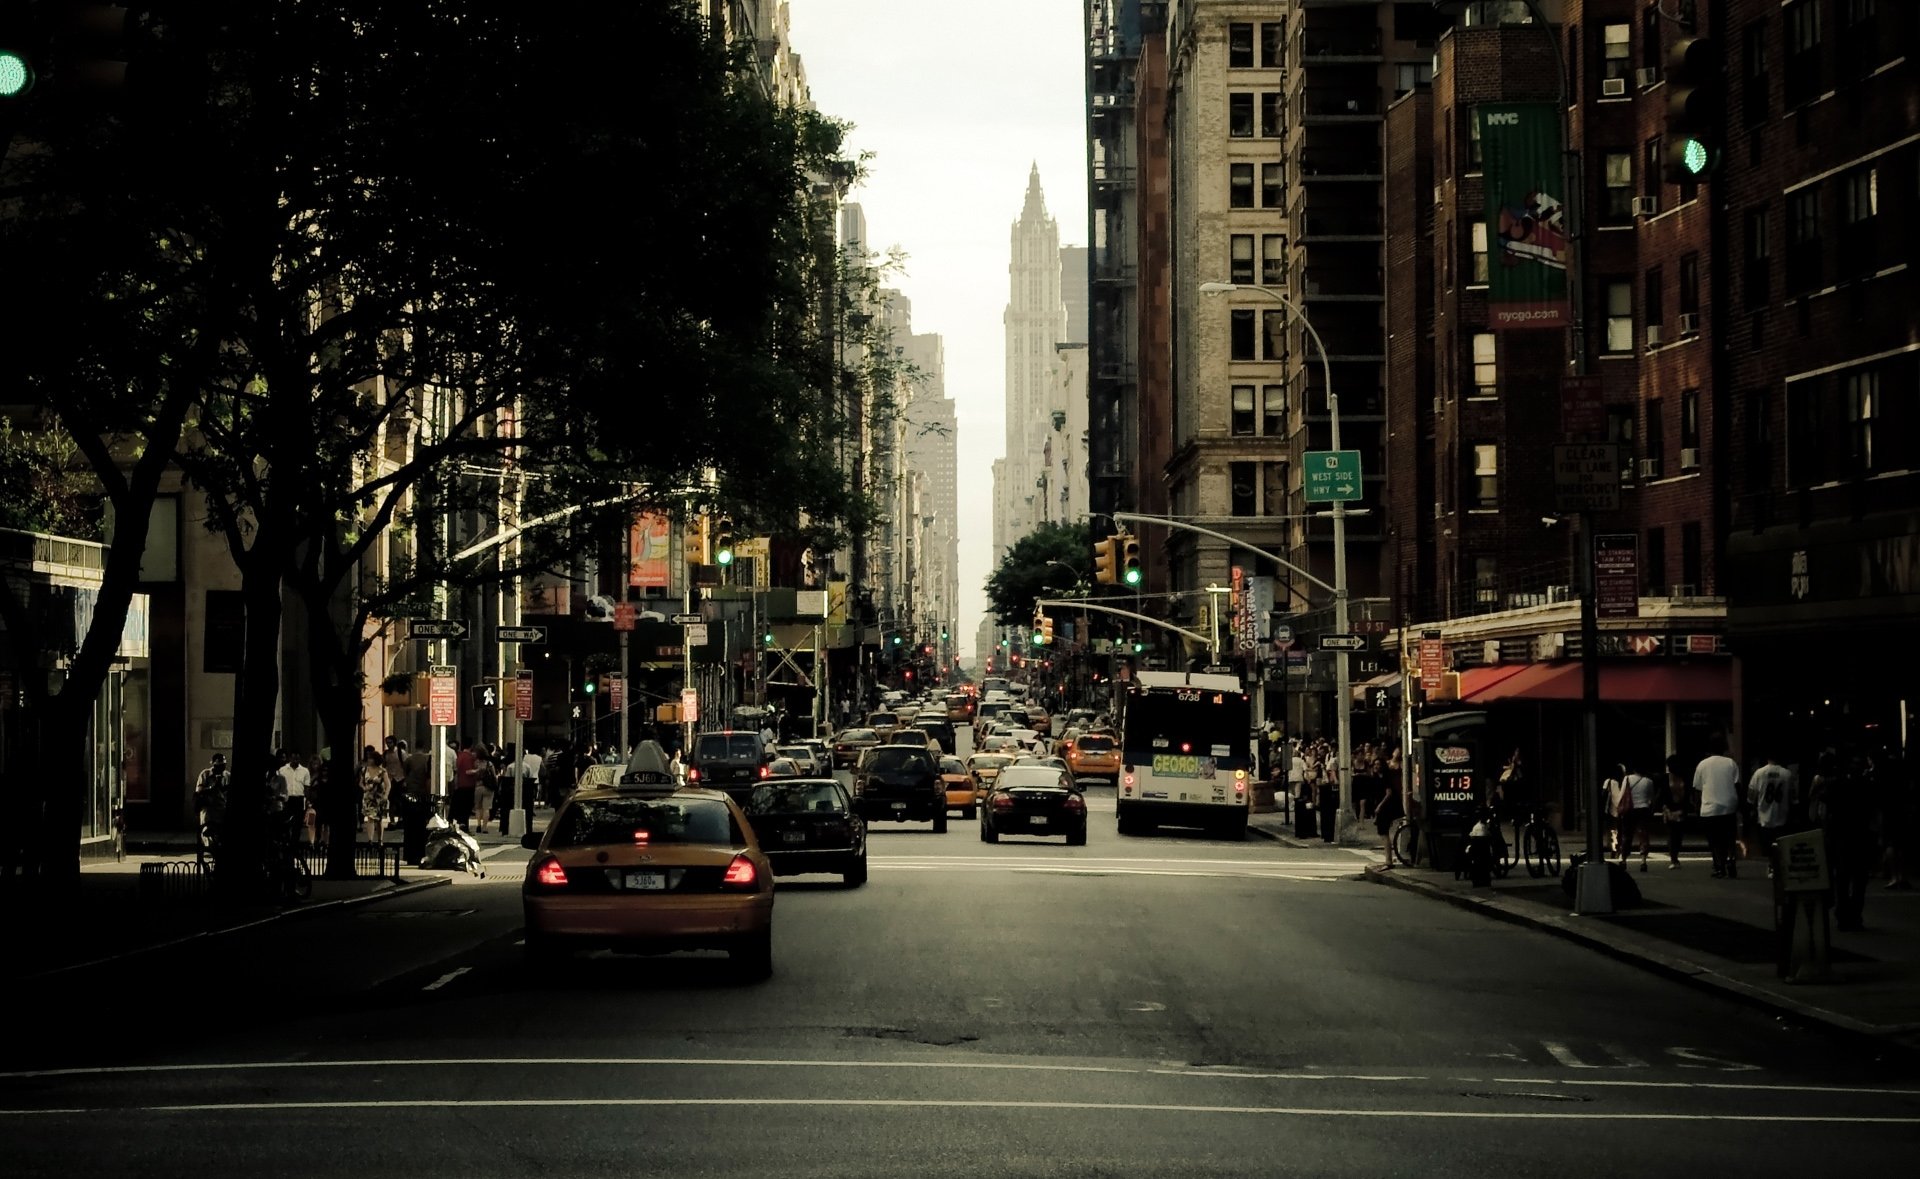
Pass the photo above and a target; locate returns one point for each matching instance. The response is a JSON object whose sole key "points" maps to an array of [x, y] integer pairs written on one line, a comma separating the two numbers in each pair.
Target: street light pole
{"points": [[1343, 703]]}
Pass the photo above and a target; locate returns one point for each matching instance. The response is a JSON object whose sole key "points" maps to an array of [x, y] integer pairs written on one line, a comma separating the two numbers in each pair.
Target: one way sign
{"points": [[436, 628]]}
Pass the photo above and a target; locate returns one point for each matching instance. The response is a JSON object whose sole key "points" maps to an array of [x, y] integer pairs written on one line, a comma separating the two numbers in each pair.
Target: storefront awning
{"points": [[1476, 680], [1675, 683]]}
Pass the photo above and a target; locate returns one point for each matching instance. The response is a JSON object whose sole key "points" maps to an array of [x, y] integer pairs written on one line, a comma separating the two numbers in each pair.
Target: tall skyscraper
{"points": [[1035, 321], [1073, 291]]}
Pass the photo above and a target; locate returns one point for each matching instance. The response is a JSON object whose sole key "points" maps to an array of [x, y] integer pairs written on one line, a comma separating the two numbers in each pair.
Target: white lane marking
{"points": [[1699, 1059], [1564, 1055], [1598, 1082], [522, 1061], [446, 978], [1147, 1005], [1473, 1115], [1184, 1072], [1626, 1058]]}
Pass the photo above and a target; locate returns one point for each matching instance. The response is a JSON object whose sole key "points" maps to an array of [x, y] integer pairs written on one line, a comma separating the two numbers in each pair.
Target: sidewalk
{"points": [[1716, 934], [109, 918]]}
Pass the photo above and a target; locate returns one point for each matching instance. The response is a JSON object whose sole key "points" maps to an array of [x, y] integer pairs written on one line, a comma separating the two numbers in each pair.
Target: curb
{"points": [[1876, 1037], [398, 890]]}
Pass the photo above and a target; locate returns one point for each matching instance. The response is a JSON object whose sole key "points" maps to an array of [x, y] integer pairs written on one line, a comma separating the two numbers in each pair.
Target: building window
{"points": [[1240, 258], [1241, 322], [1485, 491], [1245, 491], [1805, 435], [1690, 287], [1650, 168], [1758, 452], [1757, 279], [1240, 114], [1272, 180], [1273, 114], [1478, 236], [1692, 570], [1446, 258], [1863, 408], [1859, 204], [1803, 240], [1657, 562], [1654, 303], [1656, 438], [1411, 75], [1273, 410], [1753, 72], [1240, 46], [1615, 51], [1690, 420], [1273, 259], [1242, 421], [1273, 36], [1474, 160], [1486, 366], [1650, 48], [1803, 79], [1486, 581], [1273, 331], [1240, 186], [1619, 317], [1273, 491], [1619, 206]]}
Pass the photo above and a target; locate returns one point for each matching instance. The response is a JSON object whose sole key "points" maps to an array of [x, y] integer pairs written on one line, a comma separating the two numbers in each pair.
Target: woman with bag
{"points": [[1618, 800], [1674, 807], [1635, 813]]}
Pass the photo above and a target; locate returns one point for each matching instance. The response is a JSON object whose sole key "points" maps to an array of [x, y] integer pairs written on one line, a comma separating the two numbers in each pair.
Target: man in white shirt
{"points": [[1771, 789], [1717, 779]]}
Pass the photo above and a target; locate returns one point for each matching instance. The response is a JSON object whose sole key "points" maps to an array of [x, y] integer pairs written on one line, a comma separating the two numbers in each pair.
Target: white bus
{"points": [[1186, 753]]}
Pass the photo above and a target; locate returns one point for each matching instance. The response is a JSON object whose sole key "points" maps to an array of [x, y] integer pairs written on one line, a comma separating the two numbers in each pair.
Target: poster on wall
{"points": [[649, 543], [1526, 215]]}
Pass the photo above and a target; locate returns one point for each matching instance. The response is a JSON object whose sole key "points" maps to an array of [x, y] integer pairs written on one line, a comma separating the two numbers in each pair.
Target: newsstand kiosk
{"points": [[1448, 750]]}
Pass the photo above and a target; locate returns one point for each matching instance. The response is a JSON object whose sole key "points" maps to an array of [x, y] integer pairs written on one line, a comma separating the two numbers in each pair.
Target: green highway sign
{"points": [[1333, 476]]}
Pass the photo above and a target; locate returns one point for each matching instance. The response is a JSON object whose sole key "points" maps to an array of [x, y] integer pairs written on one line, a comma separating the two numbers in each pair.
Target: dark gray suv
{"points": [[900, 783]]}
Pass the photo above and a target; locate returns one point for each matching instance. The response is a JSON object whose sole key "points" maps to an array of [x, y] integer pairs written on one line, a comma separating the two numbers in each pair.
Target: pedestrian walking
{"points": [[466, 766], [1771, 789], [416, 802], [375, 791], [484, 779], [1637, 797], [120, 833], [1384, 816], [1844, 800], [1717, 780]]}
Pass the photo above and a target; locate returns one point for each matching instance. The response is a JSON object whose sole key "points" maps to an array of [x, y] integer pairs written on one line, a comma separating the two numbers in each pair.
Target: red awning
{"points": [[1678, 683], [1475, 680]]}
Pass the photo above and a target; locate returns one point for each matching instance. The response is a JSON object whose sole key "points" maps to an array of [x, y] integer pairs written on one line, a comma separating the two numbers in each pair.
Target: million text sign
{"points": [[1526, 216], [649, 541]]}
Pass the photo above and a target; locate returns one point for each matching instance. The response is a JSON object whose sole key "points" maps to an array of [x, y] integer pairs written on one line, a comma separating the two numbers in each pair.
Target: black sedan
{"points": [[808, 825], [1034, 800]]}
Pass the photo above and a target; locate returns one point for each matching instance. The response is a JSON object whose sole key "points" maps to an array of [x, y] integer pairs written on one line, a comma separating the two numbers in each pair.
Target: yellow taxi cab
{"points": [[649, 867], [1095, 755], [984, 768], [959, 785]]}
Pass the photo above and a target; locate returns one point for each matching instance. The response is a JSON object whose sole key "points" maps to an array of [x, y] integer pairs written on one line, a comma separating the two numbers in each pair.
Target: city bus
{"points": [[1186, 753]]}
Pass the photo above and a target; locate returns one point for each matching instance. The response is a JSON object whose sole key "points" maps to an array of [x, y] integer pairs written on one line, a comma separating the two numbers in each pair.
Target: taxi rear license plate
{"points": [[647, 880], [899, 806], [1037, 820], [794, 836]]}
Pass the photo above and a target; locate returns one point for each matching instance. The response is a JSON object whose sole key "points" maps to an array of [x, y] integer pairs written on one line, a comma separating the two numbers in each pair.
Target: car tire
{"points": [[856, 873], [940, 823], [752, 957], [968, 813], [1077, 838], [987, 833]]}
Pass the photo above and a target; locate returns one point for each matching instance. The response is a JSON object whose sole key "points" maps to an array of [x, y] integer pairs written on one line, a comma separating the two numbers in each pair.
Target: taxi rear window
{"points": [[1092, 744], [603, 821]]}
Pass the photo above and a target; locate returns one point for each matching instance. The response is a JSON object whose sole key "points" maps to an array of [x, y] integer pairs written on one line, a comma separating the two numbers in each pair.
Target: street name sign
{"points": [[1586, 477], [437, 628], [523, 634], [1333, 476], [1343, 642], [687, 619]]}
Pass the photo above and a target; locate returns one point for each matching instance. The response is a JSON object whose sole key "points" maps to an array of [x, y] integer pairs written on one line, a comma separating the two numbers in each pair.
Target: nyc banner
{"points": [[649, 540], [1526, 217]]}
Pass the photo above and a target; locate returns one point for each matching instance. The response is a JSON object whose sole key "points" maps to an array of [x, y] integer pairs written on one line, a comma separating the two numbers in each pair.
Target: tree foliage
{"points": [[1026, 573]]}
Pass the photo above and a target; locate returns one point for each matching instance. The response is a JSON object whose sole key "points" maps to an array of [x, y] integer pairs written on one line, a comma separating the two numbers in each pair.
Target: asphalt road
{"points": [[1167, 1006]]}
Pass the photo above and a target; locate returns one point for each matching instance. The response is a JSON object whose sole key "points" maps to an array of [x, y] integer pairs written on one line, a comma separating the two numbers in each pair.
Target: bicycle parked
{"points": [[1539, 843], [1403, 842]]}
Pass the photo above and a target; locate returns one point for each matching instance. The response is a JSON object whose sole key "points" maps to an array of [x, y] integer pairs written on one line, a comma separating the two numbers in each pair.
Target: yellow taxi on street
{"points": [[985, 767], [959, 785], [1095, 755], [649, 867]]}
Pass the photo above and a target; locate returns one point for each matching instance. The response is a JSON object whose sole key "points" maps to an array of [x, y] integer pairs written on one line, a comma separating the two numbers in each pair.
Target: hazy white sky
{"points": [[956, 101]]}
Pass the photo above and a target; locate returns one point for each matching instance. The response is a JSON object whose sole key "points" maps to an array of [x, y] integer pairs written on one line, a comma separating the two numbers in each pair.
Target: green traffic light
{"points": [[723, 557], [589, 687], [16, 76], [1694, 157], [1138, 646], [767, 638], [1039, 639], [1133, 577]]}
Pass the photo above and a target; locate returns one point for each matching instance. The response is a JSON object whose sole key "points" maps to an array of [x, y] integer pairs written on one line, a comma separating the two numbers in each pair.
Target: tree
{"points": [[1025, 572]]}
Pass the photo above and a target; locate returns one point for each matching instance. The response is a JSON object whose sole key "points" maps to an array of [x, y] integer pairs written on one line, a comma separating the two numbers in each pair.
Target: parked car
{"points": [[808, 825], [959, 786], [730, 760], [650, 869], [850, 744], [1034, 800], [902, 784]]}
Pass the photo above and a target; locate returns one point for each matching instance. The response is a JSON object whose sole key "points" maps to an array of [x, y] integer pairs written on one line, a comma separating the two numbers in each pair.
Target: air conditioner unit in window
{"points": [[1689, 323], [1490, 651], [1680, 591], [1690, 458], [1646, 206], [1559, 593], [1438, 510], [1613, 87], [1439, 406], [1646, 77], [1650, 468], [1653, 335], [1436, 194]]}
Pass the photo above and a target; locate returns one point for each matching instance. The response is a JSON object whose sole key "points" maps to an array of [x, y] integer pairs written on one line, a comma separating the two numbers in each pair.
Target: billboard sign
{"points": [[1526, 214]]}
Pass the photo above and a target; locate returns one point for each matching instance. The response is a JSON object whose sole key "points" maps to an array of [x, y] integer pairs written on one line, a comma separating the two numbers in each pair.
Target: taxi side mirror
{"points": [[531, 841]]}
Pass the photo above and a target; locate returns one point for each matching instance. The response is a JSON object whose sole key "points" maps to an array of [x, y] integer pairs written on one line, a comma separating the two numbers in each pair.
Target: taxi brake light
{"points": [[741, 874], [766, 771], [641, 837], [551, 874], [693, 773]]}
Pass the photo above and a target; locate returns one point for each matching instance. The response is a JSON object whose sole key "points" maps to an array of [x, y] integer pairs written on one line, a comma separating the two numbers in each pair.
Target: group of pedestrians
{"points": [[1309, 770]]}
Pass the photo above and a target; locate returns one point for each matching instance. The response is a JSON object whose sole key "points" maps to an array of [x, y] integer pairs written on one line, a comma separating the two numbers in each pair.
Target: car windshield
{"points": [[1030, 776], [859, 735], [719, 746], [952, 765], [1094, 744], [897, 757], [795, 798], [602, 821]]}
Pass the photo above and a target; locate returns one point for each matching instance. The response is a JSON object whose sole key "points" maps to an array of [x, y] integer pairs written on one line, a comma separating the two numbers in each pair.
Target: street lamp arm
{"points": [[1170, 522], [1077, 604]]}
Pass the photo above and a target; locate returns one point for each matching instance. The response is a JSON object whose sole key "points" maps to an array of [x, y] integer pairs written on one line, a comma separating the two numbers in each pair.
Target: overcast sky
{"points": [[956, 101]]}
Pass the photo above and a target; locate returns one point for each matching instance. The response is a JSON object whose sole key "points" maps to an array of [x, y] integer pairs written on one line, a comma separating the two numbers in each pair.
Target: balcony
{"points": [[1339, 103], [1113, 178], [1340, 45], [1318, 165], [1337, 223]]}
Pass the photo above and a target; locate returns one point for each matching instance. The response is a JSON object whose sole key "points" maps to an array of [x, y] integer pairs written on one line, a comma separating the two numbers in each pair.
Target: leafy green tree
{"points": [[1032, 569]]}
